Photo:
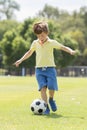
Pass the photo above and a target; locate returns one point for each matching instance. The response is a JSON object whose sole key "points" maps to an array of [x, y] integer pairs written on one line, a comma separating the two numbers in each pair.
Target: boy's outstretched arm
{"points": [[69, 50], [24, 57]]}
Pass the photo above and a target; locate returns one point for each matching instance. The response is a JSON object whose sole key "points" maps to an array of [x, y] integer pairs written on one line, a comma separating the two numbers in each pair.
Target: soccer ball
{"points": [[38, 106]]}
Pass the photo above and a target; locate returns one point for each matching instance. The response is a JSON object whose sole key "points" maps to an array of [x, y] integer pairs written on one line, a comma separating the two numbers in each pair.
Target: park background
{"points": [[69, 27], [16, 36], [18, 87]]}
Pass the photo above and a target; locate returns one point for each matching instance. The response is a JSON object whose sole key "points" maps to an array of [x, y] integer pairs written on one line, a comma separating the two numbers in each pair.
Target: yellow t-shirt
{"points": [[44, 53]]}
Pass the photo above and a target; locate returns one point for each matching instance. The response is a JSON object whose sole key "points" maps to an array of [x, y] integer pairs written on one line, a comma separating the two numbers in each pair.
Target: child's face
{"points": [[42, 37]]}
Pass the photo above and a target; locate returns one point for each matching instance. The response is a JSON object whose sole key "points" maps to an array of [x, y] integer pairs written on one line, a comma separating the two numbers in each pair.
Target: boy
{"points": [[45, 67]]}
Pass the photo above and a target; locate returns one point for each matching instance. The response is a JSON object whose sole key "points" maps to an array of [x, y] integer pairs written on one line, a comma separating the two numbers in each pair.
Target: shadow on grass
{"points": [[53, 115]]}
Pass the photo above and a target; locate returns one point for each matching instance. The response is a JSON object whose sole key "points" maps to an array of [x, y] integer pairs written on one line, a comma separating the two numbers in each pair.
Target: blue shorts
{"points": [[46, 76]]}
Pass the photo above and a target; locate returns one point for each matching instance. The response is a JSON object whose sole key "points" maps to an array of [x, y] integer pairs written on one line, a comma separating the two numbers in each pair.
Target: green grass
{"points": [[17, 93]]}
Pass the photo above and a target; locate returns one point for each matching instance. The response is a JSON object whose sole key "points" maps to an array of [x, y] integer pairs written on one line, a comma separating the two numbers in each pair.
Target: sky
{"points": [[29, 8]]}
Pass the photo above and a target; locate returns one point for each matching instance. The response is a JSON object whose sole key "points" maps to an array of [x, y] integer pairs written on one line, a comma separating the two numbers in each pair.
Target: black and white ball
{"points": [[38, 106]]}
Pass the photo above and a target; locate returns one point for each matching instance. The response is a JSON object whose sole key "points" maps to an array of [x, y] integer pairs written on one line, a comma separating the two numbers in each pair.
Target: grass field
{"points": [[17, 93]]}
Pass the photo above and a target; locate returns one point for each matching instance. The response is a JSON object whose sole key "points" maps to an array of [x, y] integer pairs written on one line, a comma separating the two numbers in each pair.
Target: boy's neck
{"points": [[43, 42]]}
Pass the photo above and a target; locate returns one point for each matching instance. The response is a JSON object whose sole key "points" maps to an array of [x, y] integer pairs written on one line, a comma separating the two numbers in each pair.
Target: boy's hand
{"points": [[17, 63], [75, 52]]}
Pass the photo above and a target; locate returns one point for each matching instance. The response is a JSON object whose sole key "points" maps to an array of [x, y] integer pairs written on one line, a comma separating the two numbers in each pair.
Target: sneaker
{"points": [[53, 105], [47, 112]]}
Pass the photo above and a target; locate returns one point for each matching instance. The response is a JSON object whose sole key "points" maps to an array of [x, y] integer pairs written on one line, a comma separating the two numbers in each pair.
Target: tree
{"points": [[15, 43], [6, 25], [85, 57], [6, 46], [64, 59], [83, 13], [13, 47], [54, 30], [19, 47], [78, 36], [7, 8], [26, 30], [49, 12]]}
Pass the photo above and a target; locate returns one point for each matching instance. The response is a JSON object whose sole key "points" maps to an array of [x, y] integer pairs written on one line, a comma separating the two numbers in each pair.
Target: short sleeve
{"points": [[57, 45], [33, 46]]}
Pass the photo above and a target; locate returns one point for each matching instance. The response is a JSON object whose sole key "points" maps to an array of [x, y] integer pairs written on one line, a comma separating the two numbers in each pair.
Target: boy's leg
{"points": [[51, 93], [43, 94], [51, 101], [44, 97]]}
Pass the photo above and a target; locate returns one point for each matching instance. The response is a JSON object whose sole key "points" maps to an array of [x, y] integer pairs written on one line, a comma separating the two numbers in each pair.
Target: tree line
{"points": [[69, 29]]}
